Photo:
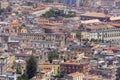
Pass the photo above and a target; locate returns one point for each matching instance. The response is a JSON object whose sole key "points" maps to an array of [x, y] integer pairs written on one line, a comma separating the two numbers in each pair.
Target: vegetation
{"points": [[53, 13], [52, 56], [22, 78], [18, 72], [31, 67]]}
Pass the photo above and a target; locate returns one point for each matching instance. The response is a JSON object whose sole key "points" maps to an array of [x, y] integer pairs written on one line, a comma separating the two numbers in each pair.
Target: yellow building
{"points": [[24, 30], [11, 60], [54, 66], [4, 4], [43, 21], [85, 35]]}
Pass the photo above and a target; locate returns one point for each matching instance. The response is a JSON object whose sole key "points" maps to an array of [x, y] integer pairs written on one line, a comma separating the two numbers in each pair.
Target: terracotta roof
{"points": [[10, 70], [93, 77], [115, 24], [71, 63], [75, 74], [39, 7], [15, 23]]}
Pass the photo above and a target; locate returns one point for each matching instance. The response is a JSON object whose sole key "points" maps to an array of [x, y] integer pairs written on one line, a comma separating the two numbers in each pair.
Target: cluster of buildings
{"points": [[87, 45]]}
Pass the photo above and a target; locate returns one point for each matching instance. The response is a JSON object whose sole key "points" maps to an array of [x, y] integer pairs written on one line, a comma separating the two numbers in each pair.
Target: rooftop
{"points": [[98, 26], [75, 74], [94, 14]]}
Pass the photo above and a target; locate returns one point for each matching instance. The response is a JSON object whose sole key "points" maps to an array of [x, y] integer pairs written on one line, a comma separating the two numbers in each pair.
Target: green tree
{"points": [[22, 78], [31, 67], [53, 13], [52, 55]]}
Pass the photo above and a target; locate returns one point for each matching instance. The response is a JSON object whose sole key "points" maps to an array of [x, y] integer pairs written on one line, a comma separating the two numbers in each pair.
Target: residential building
{"points": [[76, 3], [102, 31], [109, 3], [4, 4], [74, 76], [45, 38], [93, 15], [71, 67], [56, 67]]}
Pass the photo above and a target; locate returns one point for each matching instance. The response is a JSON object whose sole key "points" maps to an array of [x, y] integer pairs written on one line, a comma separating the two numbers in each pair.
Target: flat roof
{"points": [[94, 14], [98, 26]]}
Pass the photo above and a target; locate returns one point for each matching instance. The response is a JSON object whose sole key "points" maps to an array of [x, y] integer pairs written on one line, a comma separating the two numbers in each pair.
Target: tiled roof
{"points": [[75, 74]]}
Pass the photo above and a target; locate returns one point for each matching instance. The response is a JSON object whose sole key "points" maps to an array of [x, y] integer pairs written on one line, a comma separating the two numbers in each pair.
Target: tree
{"points": [[52, 55], [22, 78], [31, 67], [53, 13]]}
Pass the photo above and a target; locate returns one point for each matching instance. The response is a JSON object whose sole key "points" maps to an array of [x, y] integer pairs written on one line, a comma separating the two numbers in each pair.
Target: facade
{"points": [[71, 67], [74, 76], [106, 32], [20, 65], [6, 63], [55, 67], [109, 3], [3, 63], [94, 15], [4, 4], [44, 40], [76, 3]]}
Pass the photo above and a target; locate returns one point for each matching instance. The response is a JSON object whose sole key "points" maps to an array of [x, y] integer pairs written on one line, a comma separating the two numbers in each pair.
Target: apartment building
{"points": [[102, 31]]}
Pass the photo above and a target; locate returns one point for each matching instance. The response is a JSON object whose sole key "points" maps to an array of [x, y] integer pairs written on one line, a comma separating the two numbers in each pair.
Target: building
{"points": [[109, 3], [44, 39], [6, 63], [4, 4], [55, 67], [72, 2], [102, 31], [71, 67], [94, 15], [20, 65], [74, 76]]}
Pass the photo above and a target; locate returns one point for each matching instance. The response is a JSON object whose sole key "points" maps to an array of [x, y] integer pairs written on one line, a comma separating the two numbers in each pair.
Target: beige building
{"points": [[44, 40], [101, 31], [55, 67], [4, 4], [74, 76]]}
